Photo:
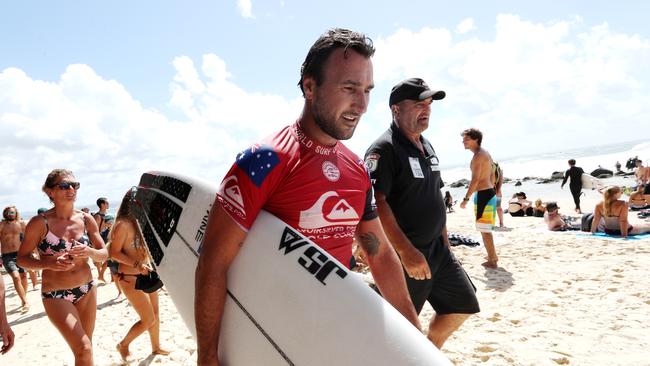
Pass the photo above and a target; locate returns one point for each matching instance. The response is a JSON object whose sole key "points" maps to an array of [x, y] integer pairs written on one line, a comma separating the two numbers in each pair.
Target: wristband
{"points": [[465, 199]]}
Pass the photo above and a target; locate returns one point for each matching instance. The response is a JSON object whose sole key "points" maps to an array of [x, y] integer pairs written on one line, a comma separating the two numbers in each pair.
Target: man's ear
{"points": [[309, 87], [395, 110]]}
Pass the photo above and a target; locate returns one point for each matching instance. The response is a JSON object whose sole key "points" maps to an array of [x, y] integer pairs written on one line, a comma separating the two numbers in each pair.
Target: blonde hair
{"points": [[538, 203], [609, 196]]}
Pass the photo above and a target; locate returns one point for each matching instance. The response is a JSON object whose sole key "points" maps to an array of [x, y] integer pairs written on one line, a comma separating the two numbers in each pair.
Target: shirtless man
{"points": [[642, 176], [12, 229], [638, 199], [553, 219], [485, 199]]}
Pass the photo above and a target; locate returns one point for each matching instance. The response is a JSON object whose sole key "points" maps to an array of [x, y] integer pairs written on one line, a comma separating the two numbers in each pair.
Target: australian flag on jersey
{"points": [[258, 162]]}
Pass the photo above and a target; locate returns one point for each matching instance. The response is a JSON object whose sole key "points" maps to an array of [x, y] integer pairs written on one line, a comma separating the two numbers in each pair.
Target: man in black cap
{"points": [[406, 177]]}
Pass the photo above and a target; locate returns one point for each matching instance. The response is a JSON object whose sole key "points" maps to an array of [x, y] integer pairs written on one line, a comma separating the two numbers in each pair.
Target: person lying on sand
{"points": [[556, 222]]}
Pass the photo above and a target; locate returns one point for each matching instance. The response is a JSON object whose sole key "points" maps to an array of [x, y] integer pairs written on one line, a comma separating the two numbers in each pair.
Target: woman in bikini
{"points": [[68, 290], [611, 215], [128, 248]]}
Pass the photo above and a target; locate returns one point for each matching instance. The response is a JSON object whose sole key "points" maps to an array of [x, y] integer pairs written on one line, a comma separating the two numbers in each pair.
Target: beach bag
{"points": [[148, 283], [587, 219]]}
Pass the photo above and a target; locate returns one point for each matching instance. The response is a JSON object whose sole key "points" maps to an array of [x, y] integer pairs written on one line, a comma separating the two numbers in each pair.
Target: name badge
{"points": [[416, 168]]}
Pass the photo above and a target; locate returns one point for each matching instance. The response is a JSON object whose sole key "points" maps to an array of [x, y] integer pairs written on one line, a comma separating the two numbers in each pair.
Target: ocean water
{"points": [[540, 165], [543, 165]]}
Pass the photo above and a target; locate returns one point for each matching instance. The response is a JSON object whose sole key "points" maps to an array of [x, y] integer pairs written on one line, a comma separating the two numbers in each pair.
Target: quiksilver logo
{"points": [[341, 213]]}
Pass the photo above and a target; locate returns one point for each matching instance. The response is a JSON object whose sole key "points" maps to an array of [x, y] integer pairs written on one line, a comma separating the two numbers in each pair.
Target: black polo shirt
{"points": [[411, 182]]}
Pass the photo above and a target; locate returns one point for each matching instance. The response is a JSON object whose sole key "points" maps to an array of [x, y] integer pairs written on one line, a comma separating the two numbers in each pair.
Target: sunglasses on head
{"points": [[67, 185]]}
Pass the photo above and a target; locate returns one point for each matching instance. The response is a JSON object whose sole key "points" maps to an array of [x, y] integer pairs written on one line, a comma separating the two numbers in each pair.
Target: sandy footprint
{"points": [[561, 360], [485, 349], [495, 318]]}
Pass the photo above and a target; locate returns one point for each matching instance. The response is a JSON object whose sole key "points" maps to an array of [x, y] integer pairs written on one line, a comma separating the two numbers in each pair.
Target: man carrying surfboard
{"points": [[305, 176], [575, 185], [406, 178]]}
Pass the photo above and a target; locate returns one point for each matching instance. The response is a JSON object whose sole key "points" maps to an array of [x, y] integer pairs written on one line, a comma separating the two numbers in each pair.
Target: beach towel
{"points": [[457, 239], [616, 237]]}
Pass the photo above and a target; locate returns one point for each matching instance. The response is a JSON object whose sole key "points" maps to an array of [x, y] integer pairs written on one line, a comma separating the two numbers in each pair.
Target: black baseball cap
{"points": [[413, 89]]}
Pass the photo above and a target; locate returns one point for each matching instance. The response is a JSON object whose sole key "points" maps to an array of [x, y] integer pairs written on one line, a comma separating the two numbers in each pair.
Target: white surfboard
{"points": [[289, 302], [589, 182]]}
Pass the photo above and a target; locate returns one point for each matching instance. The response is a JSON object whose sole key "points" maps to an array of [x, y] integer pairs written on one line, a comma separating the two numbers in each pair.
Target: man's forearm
{"points": [[209, 303], [389, 278], [395, 235], [470, 189]]}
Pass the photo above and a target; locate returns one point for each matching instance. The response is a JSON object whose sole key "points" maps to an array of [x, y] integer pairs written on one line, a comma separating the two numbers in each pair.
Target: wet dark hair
{"points": [[473, 134], [572, 162], [326, 44], [53, 178], [101, 200]]}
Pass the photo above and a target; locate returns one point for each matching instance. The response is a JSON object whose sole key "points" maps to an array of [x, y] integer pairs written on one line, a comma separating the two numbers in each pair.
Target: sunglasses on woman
{"points": [[67, 185]]}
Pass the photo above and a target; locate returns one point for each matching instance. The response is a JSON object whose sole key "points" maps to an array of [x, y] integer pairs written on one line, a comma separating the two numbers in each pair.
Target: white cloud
{"points": [[532, 87], [466, 26], [94, 127], [246, 8]]}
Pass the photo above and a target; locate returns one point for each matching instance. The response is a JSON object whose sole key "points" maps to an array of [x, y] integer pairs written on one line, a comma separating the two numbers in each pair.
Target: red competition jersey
{"points": [[323, 192]]}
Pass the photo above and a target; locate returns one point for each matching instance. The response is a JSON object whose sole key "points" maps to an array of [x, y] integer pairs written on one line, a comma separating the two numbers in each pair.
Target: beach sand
{"points": [[556, 299]]}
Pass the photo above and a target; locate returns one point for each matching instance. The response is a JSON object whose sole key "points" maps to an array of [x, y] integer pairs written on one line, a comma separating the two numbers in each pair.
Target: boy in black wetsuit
{"points": [[575, 185]]}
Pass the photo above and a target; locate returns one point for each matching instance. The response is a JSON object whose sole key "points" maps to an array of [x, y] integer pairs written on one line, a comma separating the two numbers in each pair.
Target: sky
{"points": [[111, 90]]}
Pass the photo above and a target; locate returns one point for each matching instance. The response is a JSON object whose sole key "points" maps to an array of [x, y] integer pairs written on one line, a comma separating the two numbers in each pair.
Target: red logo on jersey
{"points": [[329, 210]]}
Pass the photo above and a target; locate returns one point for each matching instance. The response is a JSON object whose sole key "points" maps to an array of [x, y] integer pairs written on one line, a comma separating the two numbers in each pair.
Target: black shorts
{"points": [[9, 262], [450, 290], [646, 188], [113, 266]]}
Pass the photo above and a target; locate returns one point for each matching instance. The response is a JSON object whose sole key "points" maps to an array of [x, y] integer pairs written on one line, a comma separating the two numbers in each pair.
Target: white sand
{"points": [[39, 343], [557, 299]]}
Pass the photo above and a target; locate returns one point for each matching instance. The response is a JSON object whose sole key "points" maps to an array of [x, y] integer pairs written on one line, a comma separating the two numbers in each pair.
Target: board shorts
{"points": [[485, 209], [9, 261], [450, 290]]}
